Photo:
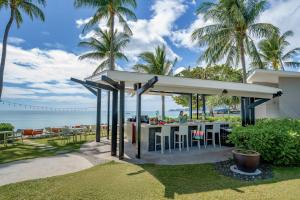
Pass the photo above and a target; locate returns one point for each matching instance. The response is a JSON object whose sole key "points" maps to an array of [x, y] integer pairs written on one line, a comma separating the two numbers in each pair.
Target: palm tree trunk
{"points": [[243, 61], [282, 66], [112, 30], [163, 114], [4, 46]]}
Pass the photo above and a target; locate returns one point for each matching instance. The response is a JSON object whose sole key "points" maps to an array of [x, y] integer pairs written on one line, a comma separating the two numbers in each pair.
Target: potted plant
{"points": [[246, 160]]}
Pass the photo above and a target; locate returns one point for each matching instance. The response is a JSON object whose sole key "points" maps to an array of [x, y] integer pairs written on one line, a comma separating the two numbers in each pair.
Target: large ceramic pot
{"points": [[246, 160]]}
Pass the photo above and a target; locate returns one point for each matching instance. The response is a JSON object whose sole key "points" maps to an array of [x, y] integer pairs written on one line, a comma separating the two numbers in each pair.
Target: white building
{"points": [[288, 105]]}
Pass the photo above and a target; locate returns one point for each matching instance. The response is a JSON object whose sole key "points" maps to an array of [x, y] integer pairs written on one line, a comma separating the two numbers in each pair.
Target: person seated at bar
{"points": [[182, 118]]}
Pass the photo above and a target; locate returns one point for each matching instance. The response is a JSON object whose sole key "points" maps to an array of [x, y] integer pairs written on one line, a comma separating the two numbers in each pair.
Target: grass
{"points": [[128, 181], [30, 149]]}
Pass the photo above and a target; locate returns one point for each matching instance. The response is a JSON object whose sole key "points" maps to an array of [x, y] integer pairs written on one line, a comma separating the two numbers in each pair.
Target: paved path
{"points": [[42, 167]]}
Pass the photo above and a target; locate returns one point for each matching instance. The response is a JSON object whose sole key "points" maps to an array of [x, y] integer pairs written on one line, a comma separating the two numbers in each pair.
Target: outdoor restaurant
{"points": [[144, 135]]}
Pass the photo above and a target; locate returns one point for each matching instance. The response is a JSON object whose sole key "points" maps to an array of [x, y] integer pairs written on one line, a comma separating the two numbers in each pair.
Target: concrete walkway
{"points": [[42, 167]]}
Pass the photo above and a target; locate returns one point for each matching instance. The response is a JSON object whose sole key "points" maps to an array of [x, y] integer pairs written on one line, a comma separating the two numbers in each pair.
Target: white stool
{"points": [[165, 132], [215, 130], [201, 127], [183, 131]]}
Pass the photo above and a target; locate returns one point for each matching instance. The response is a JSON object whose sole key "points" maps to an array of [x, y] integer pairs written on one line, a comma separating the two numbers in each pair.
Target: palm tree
{"points": [[231, 34], [272, 52], [16, 8], [156, 63], [100, 46], [109, 9]]}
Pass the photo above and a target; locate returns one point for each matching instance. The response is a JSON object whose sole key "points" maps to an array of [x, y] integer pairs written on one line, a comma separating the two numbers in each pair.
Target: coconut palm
{"points": [[100, 48], [109, 9], [156, 63], [272, 52], [232, 32], [17, 7]]}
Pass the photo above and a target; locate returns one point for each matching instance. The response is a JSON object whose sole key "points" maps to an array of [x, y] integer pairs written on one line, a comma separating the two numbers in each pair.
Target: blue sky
{"points": [[43, 56]]}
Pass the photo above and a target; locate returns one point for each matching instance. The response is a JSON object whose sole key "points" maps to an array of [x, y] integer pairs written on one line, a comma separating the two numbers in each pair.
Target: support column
{"points": [[203, 106], [121, 119], [197, 105], [108, 113], [243, 111], [191, 106], [98, 118], [252, 112], [138, 120], [114, 130]]}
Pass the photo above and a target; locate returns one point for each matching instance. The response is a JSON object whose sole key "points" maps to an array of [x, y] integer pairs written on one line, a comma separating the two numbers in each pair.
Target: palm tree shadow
{"points": [[189, 179]]}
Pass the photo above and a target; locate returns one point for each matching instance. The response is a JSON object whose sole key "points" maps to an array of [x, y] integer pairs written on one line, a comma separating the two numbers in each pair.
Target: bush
{"points": [[233, 119], [277, 140], [6, 127]]}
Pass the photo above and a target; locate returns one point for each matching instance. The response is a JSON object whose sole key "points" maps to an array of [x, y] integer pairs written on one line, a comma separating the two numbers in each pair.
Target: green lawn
{"points": [[28, 150], [128, 181]]}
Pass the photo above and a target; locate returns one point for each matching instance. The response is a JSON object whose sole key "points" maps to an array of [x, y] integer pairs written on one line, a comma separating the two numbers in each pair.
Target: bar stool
{"points": [[215, 130], [197, 138], [182, 133], [165, 132]]}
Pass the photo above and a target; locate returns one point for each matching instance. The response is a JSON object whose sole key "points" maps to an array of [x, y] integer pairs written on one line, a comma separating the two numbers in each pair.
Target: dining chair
{"points": [[198, 135], [215, 130], [183, 135], [165, 132]]}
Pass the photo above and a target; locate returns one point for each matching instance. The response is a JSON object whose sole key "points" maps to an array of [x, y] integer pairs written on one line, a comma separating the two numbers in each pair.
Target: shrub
{"points": [[233, 119], [277, 140], [6, 127]]}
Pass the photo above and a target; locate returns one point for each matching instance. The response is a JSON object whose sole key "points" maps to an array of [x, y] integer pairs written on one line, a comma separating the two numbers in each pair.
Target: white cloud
{"points": [[15, 40], [149, 33], [46, 75], [55, 45], [82, 22]]}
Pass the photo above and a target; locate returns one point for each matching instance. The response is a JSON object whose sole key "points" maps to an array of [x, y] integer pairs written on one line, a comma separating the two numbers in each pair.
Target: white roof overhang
{"points": [[270, 76], [171, 84]]}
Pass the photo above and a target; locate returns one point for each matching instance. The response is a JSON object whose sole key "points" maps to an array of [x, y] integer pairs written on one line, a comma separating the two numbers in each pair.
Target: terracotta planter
{"points": [[246, 161]]}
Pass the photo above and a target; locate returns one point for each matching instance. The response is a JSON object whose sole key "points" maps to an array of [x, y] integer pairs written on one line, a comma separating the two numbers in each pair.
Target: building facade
{"points": [[286, 106]]}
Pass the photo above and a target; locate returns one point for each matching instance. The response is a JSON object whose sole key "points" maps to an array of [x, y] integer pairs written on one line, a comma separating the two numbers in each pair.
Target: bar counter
{"points": [[148, 133]]}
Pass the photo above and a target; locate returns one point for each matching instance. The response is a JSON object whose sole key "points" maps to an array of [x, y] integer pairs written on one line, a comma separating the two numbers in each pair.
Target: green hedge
{"points": [[224, 118], [277, 140], [6, 127]]}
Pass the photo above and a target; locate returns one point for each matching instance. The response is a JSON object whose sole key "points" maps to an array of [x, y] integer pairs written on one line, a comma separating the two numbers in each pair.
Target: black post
{"points": [[197, 105], [203, 106], [138, 119], [252, 112], [121, 120], [243, 111], [114, 130], [108, 113], [98, 118], [191, 106]]}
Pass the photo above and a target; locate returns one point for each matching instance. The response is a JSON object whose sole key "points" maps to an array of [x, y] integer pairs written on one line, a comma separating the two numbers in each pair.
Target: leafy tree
{"points": [[100, 48], [272, 52], [156, 63], [231, 34], [16, 7], [218, 73]]}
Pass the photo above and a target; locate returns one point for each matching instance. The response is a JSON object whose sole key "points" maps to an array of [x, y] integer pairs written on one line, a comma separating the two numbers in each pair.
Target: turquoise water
{"points": [[42, 119]]}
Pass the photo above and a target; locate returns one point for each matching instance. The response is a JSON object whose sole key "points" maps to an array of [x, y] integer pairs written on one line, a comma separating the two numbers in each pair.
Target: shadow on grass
{"points": [[189, 179], [21, 151]]}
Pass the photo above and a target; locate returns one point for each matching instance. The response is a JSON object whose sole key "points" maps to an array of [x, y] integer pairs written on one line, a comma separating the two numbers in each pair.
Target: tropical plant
{"points": [[17, 7], [277, 140], [156, 63], [231, 34], [272, 52], [100, 48], [109, 9]]}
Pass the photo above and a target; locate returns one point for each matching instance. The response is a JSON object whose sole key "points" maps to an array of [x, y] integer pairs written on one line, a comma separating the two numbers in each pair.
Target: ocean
{"points": [[41, 119]]}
